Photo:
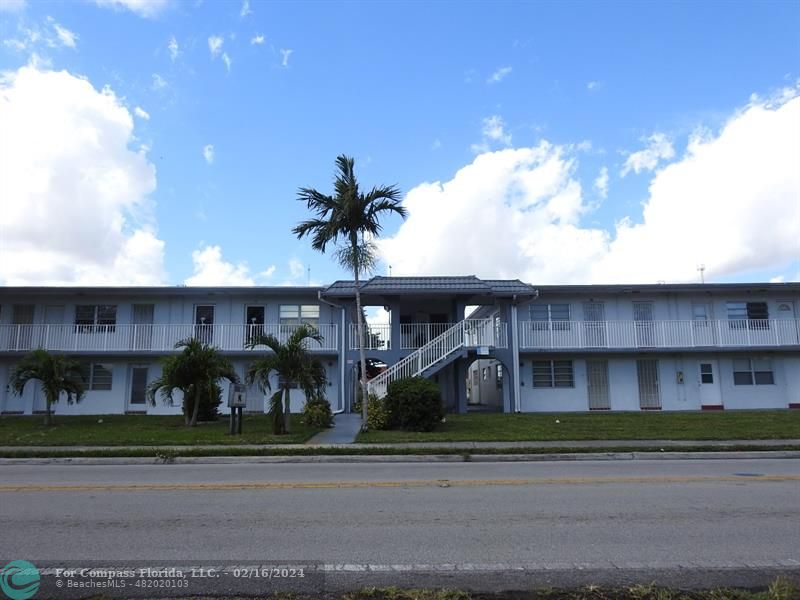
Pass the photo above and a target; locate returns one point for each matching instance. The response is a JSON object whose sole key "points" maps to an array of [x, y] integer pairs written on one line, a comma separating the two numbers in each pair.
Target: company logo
{"points": [[19, 580]]}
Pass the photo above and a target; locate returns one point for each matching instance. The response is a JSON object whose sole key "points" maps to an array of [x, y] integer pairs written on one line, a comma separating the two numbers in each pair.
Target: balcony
{"points": [[628, 335], [148, 338], [416, 335]]}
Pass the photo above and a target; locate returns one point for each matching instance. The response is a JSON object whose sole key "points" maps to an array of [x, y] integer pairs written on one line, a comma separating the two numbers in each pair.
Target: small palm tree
{"points": [[195, 371], [57, 373], [293, 363], [352, 217]]}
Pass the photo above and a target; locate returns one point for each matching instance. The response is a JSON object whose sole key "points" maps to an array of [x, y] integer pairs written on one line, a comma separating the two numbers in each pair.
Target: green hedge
{"points": [[414, 404]]}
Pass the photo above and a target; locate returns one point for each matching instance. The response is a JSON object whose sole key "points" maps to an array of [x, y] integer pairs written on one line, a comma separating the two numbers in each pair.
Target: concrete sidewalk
{"points": [[344, 431], [600, 445]]}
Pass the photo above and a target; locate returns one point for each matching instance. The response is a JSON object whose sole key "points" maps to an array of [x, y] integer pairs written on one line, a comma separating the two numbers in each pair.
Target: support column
{"points": [[514, 335], [460, 387]]}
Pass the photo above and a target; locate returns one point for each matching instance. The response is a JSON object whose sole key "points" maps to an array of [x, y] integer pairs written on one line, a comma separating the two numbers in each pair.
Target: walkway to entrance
{"points": [[344, 431]]}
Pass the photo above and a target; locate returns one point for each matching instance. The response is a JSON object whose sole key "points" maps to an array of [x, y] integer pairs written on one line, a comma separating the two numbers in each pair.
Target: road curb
{"points": [[401, 458]]}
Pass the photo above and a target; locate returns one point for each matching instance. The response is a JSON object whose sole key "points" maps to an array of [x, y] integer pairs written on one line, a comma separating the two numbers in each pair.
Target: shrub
{"points": [[414, 404], [377, 414], [378, 417], [317, 413]]}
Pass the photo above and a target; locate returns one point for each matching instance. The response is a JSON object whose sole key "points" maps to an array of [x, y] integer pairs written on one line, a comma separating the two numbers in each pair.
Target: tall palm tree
{"points": [[195, 371], [293, 364], [350, 219], [57, 373]]}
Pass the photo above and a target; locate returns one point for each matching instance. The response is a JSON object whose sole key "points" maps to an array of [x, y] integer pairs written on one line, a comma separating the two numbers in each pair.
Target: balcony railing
{"points": [[416, 335], [148, 338], [659, 334]]}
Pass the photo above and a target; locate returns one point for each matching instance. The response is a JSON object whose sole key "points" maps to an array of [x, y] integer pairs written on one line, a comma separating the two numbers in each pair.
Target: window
{"points": [[93, 318], [498, 380], [753, 315], [553, 374], [700, 313], [749, 371], [543, 315], [706, 373], [293, 314], [100, 376]]}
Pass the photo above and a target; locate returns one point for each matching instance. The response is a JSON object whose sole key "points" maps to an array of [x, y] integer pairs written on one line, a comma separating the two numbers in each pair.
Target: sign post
{"points": [[237, 400]]}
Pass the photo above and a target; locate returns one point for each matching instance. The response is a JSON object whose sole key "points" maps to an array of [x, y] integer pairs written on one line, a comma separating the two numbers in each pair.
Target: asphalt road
{"points": [[481, 525]]}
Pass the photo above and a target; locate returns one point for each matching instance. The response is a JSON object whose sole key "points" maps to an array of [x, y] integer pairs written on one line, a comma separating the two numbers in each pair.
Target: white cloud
{"points": [[778, 279], [227, 60], [12, 5], [215, 45], [65, 36], [76, 208], [245, 9], [148, 9], [601, 183], [174, 49], [210, 269], [208, 153], [285, 54], [48, 34], [731, 202], [296, 268], [593, 86], [141, 113], [159, 83], [268, 272], [659, 148], [493, 133], [257, 40], [499, 75], [437, 144]]}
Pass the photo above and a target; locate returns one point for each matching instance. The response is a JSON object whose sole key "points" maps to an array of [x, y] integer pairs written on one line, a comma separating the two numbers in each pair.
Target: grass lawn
{"points": [[728, 425], [144, 430]]}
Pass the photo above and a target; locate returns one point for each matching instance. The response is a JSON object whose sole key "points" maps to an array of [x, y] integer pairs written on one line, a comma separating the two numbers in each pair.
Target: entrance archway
{"points": [[485, 381]]}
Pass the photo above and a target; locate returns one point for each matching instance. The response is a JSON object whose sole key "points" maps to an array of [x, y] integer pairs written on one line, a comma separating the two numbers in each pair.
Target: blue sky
{"points": [[579, 114]]}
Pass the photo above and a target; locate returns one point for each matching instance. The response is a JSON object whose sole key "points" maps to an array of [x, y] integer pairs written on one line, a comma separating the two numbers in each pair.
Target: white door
{"points": [[597, 384], [594, 317], [786, 324], [54, 336], [645, 328], [649, 390], [708, 380], [142, 319], [137, 401]]}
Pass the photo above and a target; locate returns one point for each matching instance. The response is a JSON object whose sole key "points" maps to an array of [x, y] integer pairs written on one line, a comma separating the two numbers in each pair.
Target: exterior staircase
{"points": [[437, 353]]}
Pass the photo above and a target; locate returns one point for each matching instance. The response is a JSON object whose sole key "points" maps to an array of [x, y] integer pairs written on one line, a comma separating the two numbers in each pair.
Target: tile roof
{"points": [[468, 284]]}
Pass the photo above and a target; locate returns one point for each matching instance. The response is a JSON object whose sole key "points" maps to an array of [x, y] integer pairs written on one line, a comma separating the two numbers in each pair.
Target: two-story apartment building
{"points": [[489, 344]]}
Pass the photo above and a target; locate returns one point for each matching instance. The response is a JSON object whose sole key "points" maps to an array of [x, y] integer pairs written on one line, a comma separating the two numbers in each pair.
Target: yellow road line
{"points": [[327, 485]]}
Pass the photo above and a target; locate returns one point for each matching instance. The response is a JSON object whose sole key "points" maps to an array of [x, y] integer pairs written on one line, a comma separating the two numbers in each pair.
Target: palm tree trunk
{"points": [[287, 410], [362, 357], [47, 417], [198, 390]]}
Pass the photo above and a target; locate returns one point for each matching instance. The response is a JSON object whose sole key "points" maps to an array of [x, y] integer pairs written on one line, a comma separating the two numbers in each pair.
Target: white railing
{"points": [[416, 335], [147, 338], [376, 337], [467, 333], [659, 334]]}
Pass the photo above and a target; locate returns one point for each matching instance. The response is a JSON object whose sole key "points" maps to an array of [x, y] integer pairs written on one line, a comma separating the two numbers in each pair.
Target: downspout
{"points": [[341, 352]]}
